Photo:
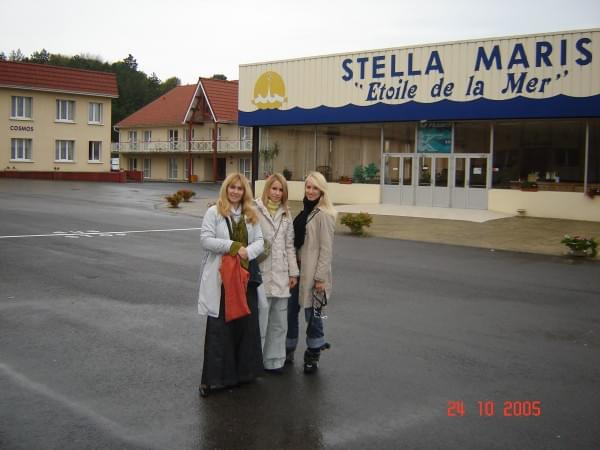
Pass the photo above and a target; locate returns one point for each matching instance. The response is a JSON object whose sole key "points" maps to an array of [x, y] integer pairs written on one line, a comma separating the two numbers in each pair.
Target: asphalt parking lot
{"points": [[433, 346]]}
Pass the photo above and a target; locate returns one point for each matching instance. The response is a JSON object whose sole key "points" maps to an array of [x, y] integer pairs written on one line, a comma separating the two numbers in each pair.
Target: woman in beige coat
{"points": [[313, 239], [279, 269]]}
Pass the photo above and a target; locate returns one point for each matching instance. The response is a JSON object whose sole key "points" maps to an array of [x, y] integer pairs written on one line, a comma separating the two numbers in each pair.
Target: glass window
{"points": [[341, 149], [472, 137], [424, 171], [407, 166], [459, 172], [65, 110], [21, 107], [172, 168], [594, 153], [245, 167], [132, 164], [399, 137], [546, 151], [478, 172], [64, 151], [173, 139], [95, 113], [20, 149], [441, 172], [132, 141], [392, 170], [94, 151], [147, 168]]}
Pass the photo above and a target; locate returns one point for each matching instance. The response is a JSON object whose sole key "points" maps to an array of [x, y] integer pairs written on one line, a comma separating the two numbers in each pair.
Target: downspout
{"points": [[214, 145], [190, 160]]}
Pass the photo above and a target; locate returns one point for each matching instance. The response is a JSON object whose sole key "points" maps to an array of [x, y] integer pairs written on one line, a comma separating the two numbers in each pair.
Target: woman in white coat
{"points": [[232, 350], [313, 239], [278, 267]]}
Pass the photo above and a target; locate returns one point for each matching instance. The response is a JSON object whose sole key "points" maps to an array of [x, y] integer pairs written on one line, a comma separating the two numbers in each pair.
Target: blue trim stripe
{"points": [[516, 108]]}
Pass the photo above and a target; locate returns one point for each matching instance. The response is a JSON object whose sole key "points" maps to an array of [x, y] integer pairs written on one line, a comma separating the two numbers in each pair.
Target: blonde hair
{"points": [[272, 179], [223, 204], [324, 204]]}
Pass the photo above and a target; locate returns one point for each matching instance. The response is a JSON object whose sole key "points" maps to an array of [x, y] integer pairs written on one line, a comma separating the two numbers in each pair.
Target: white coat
{"points": [[214, 237], [316, 255], [281, 263]]}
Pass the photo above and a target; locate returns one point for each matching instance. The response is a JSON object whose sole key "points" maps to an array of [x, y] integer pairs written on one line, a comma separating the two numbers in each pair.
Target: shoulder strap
{"points": [[229, 228]]}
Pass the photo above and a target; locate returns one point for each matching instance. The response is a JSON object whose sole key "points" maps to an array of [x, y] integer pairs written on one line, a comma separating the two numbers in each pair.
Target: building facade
{"points": [[193, 126], [471, 124], [57, 121]]}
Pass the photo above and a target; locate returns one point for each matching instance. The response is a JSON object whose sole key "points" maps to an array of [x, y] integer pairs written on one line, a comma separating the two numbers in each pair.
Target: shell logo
{"points": [[269, 91]]}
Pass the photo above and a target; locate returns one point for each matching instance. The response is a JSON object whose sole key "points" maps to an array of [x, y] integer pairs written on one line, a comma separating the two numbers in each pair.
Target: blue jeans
{"points": [[315, 336]]}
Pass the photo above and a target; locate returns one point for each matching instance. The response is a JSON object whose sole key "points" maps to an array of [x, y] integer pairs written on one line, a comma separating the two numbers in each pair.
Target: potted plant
{"points": [[287, 174], [580, 246], [529, 186], [592, 192], [345, 180], [359, 174]]}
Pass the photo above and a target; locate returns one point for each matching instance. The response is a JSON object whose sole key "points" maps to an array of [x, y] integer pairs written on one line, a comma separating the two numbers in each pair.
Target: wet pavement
{"points": [[101, 347]]}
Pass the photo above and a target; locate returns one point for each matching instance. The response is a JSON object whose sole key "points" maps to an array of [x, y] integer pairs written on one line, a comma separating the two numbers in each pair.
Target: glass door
{"points": [[470, 181], [398, 179]]}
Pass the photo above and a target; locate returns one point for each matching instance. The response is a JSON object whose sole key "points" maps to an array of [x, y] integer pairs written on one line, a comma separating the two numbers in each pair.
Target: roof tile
{"points": [[53, 78]]}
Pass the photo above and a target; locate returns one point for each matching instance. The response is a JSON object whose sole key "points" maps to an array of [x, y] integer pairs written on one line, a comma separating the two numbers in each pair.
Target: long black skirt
{"points": [[232, 350]]}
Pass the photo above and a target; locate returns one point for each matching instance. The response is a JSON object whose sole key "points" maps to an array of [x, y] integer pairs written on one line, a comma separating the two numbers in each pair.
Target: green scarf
{"points": [[239, 237]]}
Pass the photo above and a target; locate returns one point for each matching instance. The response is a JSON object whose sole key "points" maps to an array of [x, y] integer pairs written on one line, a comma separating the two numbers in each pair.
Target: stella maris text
{"points": [[403, 87], [542, 54]]}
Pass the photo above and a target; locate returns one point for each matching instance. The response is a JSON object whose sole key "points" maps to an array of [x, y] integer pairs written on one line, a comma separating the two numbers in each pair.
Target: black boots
{"points": [[311, 360]]}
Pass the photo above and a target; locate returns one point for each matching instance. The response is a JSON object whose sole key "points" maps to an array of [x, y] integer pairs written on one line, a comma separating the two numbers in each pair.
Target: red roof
{"points": [[58, 79], [173, 108], [222, 97], [168, 109]]}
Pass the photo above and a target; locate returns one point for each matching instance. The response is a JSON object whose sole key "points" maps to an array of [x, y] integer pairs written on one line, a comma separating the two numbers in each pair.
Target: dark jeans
{"points": [[315, 335]]}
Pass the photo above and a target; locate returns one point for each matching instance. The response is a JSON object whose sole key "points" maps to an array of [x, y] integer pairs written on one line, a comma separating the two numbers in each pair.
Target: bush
{"points": [[174, 200], [359, 175], [186, 194], [371, 172], [356, 222], [586, 246]]}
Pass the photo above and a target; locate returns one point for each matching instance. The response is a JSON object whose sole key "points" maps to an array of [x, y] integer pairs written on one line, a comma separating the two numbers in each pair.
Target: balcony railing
{"points": [[223, 146]]}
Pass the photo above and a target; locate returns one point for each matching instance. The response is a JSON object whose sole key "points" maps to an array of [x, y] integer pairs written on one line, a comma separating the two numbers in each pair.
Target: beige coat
{"points": [[281, 263], [316, 255]]}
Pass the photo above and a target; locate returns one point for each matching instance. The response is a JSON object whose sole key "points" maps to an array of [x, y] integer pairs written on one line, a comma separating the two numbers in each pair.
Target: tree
{"points": [[41, 57], [219, 76], [131, 62], [16, 55], [2, 56]]}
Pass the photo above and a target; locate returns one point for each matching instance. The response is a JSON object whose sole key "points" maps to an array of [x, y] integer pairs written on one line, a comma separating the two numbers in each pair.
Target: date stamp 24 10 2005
{"points": [[488, 408]]}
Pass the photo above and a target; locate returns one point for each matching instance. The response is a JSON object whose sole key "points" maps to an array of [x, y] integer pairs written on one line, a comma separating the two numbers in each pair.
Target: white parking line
{"points": [[94, 233]]}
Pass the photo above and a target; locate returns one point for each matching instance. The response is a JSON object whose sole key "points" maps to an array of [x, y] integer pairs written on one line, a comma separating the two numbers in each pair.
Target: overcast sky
{"points": [[192, 38]]}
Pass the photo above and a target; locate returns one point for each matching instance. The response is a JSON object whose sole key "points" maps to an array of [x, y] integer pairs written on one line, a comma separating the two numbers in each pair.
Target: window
{"points": [[65, 110], [95, 113], [245, 167], [147, 168], [172, 169], [148, 136], [20, 149], [21, 107], [133, 140], [132, 164], [173, 139], [245, 133], [64, 150], [94, 151]]}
